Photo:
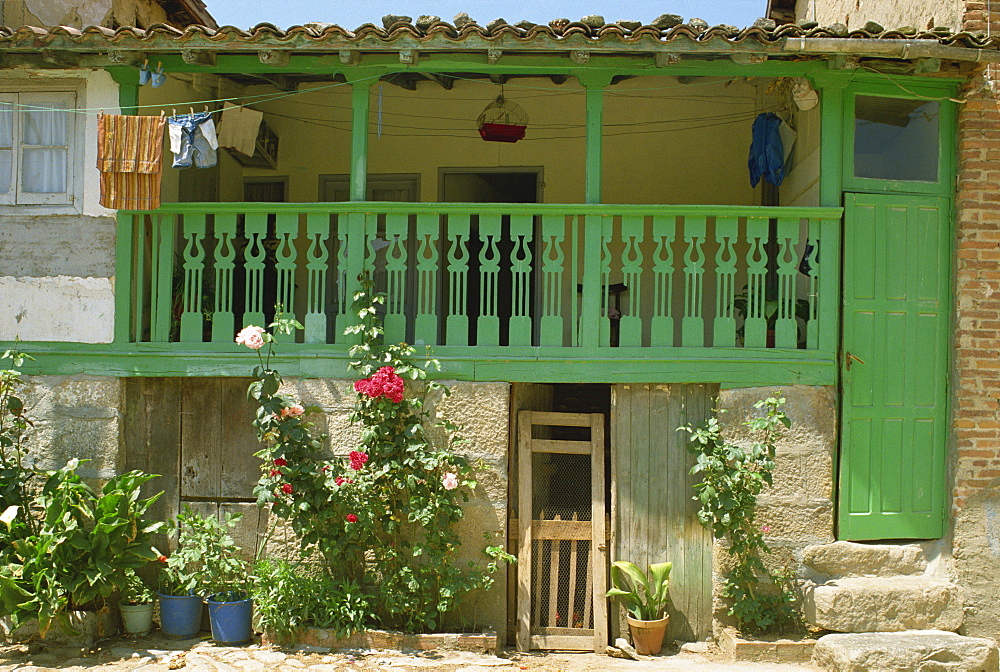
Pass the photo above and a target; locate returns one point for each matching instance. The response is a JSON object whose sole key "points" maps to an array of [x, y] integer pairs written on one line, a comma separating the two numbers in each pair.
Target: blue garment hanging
{"points": [[767, 155]]}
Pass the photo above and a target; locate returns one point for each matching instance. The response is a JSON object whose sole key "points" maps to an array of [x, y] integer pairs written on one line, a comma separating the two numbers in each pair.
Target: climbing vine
{"points": [[385, 516], [732, 478]]}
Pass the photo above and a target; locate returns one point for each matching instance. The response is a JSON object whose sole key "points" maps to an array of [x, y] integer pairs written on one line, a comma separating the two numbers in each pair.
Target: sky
{"points": [[352, 13]]}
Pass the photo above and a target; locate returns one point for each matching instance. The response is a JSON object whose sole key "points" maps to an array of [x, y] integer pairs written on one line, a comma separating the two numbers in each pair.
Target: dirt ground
{"points": [[155, 654]]}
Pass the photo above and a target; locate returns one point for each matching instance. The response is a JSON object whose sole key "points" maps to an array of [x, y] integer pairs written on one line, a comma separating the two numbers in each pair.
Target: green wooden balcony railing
{"points": [[501, 285]]}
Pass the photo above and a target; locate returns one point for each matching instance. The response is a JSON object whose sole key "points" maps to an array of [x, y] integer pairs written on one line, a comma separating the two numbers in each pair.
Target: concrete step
{"points": [[881, 604], [923, 650], [845, 559]]}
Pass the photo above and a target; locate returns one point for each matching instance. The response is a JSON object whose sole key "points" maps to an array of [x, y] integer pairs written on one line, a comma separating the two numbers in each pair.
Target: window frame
{"points": [[31, 95], [922, 90]]}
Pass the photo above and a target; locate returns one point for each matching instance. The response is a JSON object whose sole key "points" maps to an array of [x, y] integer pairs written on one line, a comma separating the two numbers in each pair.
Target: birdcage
{"points": [[503, 121]]}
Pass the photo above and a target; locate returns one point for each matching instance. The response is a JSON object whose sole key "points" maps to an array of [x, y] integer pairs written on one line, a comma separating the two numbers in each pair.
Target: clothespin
{"points": [[206, 109], [174, 112], [192, 110]]}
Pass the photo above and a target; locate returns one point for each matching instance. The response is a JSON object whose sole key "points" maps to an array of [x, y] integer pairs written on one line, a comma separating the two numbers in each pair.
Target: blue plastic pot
{"points": [[180, 615], [231, 615]]}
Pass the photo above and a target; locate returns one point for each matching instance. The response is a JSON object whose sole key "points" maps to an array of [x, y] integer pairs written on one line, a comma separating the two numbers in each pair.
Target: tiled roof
{"points": [[440, 34]]}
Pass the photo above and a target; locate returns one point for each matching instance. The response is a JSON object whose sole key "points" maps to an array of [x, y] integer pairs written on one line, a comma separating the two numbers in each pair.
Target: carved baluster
{"points": [[630, 323], [693, 324], [755, 325], [223, 319], [786, 331], [488, 324], [192, 319], [396, 235], [520, 319], [724, 325], [425, 326], [662, 324], [553, 268], [253, 255], [457, 327], [318, 258], [286, 228]]}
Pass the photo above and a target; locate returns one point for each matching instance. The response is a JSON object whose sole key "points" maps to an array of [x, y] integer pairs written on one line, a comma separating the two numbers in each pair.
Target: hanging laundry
{"points": [[130, 158], [767, 157], [193, 140], [239, 128]]}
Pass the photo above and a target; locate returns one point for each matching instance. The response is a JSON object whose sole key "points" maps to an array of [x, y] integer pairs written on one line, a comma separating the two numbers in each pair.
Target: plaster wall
{"points": [[890, 14], [801, 184], [664, 142], [799, 507]]}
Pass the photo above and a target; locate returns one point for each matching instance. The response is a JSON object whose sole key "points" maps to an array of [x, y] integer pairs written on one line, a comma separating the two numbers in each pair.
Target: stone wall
{"points": [[81, 13], [799, 508], [74, 417]]}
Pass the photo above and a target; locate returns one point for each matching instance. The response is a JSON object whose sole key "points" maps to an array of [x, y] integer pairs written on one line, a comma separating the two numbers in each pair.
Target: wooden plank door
{"points": [[654, 516], [562, 559], [894, 367]]}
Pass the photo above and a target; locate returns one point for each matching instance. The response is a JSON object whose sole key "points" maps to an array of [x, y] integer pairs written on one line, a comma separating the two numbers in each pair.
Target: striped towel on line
{"points": [[130, 158]]}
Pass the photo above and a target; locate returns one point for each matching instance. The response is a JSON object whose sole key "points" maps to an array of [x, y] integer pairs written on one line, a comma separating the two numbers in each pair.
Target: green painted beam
{"points": [[123, 269], [735, 366], [505, 209], [128, 88]]}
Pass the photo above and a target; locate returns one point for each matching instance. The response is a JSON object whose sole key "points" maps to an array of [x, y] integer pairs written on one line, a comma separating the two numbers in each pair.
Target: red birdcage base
{"points": [[502, 132]]}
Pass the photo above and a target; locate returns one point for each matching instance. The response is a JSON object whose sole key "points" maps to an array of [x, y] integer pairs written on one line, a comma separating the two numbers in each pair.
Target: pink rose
{"points": [[251, 337], [765, 528], [450, 481], [293, 411]]}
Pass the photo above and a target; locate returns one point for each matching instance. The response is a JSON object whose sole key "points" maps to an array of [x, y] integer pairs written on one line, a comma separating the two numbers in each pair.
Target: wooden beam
{"points": [[559, 80], [401, 79], [360, 106], [281, 82], [446, 82], [618, 79]]}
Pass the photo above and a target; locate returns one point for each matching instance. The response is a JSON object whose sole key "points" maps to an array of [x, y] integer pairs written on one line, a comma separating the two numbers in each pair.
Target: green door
{"points": [[894, 367]]}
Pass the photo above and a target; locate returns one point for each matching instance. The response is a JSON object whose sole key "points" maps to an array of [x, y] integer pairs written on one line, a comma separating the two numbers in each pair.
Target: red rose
{"points": [[280, 461], [358, 460], [161, 558], [276, 472], [351, 518], [286, 488]]}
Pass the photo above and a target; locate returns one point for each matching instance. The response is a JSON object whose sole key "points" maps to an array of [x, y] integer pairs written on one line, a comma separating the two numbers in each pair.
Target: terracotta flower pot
{"points": [[647, 636]]}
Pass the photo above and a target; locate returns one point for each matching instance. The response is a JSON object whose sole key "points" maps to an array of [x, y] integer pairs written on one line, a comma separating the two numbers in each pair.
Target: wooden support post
{"points": [[359, 138], [123, 275]]}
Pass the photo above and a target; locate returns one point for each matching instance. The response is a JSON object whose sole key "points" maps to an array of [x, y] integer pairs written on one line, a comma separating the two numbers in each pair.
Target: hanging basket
{"points": [[503, 121]]}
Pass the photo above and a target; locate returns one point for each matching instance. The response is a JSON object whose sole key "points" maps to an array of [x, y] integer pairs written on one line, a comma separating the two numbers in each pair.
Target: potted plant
{"points": [[180, 578], [225, 579], [645, 597], [136, 605]]}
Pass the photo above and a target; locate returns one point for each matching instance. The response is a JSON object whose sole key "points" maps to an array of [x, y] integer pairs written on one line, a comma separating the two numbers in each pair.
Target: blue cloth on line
{"points": [[193, 140], [767, 155]]}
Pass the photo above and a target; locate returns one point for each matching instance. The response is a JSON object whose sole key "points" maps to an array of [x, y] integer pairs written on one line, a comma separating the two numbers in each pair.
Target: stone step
{"points": [[913, 650], [880, 604], [846, 558]]}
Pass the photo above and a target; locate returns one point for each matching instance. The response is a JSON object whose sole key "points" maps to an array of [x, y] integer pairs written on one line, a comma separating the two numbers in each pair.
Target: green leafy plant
{"points": [[645, 595], [206, 560], [85, 543], [135, 591], [290, 596], [384, 518], [15, 480], [732, 478]]}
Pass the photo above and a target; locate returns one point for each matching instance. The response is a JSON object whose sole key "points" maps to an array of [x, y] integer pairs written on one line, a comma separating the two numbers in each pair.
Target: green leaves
{"points": [[645, 595], [732, 477]]}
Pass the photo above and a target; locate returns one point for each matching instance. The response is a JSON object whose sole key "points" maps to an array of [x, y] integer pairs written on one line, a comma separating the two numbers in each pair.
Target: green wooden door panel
{"points": [[896, 316]]}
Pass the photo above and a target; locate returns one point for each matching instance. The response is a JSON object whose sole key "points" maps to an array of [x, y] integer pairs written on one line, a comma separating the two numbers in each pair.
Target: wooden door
{"points": [[196, 434], [653, 511], [562, 559], [894, 367]]}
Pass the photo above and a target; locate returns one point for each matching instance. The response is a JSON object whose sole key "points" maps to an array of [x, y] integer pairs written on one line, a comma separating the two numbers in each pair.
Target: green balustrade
{"points": [[491, 281]]}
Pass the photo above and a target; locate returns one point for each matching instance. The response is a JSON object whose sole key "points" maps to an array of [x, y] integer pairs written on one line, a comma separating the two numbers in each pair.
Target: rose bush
{"points": [[383, 518]]}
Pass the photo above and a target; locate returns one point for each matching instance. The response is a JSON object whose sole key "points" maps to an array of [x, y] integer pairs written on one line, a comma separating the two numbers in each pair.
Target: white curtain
{"points": [[45, 148], [6, 145]]}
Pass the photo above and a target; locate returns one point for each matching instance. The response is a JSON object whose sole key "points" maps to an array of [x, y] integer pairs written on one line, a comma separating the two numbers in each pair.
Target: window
{"points": [[896, 138], [37, 139]]}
